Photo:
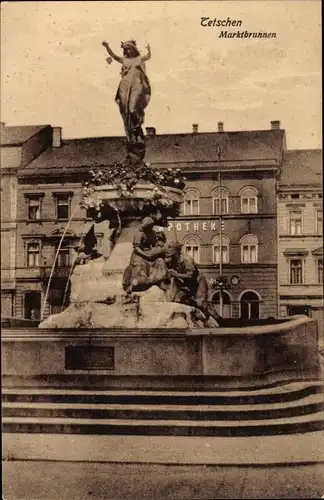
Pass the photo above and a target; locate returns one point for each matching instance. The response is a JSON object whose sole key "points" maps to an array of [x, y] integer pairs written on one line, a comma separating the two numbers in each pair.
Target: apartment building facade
{"points": [[300, 229], [228, 220], [19, 146]]}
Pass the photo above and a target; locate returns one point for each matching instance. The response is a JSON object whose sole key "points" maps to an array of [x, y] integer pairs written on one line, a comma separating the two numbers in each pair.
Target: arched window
{"points": [[249, 200], [220, 201], [191, 202], [249, 249], [217, 254], [227, 304], [250, 305], [191, 246]]}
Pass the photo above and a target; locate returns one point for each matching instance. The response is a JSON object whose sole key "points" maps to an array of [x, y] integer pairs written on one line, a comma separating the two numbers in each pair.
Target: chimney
{"points": [[275, 125], [150, 131], [220, 126], [195, 128], [57, 137]]}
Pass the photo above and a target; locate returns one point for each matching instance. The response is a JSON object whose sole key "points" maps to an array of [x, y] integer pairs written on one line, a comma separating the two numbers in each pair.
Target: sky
{"points": [[53, 68]]}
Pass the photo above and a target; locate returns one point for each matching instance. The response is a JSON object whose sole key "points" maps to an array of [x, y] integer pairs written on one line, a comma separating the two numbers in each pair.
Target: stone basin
{"points": [[162, 358]]}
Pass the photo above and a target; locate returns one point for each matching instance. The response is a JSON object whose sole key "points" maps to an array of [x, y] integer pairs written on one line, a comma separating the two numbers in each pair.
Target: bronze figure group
{"points": [[155, 262]]}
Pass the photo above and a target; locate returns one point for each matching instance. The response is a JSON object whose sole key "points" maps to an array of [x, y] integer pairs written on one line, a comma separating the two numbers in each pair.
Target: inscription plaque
{"points": [[89, 358]]}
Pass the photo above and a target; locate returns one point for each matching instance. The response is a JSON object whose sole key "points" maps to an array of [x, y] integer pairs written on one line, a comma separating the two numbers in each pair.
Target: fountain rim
{"points": [[287, 324]]}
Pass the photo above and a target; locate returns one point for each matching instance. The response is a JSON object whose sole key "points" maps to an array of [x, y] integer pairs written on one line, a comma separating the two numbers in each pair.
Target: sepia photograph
{"points": [[162, 250]]}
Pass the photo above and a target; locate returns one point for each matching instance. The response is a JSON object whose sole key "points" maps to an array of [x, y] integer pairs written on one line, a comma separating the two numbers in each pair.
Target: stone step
{"points": [[308, 405], [271, 395], [284, 449], [102, 380], [311, 399], [40, 425], [266, 389]]}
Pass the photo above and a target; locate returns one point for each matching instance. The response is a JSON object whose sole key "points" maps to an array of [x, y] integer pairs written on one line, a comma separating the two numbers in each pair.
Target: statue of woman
{"points": [[134, 91]]}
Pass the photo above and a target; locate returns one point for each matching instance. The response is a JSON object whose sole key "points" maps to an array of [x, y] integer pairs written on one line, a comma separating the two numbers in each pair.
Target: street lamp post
{"points": [[220, 245]]}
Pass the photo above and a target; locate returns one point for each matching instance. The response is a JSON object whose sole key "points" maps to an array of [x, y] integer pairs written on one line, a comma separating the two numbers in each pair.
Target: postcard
{"points": [[162, 250]]}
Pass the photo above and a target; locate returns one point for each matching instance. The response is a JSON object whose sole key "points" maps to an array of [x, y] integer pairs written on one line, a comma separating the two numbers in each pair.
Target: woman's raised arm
{"points": [[111, 53], [148, 55]]}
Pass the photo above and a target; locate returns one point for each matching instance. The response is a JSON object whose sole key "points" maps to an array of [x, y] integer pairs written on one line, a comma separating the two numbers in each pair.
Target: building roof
{"points": [[301, 167], [251, 146], [15, 136]]}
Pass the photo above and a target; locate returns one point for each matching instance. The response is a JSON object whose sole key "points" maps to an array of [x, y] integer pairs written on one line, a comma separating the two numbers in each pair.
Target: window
{"points": [[295, 222], [62, 206], [249, 200], [56, 299], [216, 250], [192, 247], [220, 201], [249, 249], [32, 305], [227, 304], [90, 212], [319, 222], [34, 208], [295, 196], [320, 271], [63, 258], [250, 305], [296, 271], [191, 202], [294, 310], [33, 252]]}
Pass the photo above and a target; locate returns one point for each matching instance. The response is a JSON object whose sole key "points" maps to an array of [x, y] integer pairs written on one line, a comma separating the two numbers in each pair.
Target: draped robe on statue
{"points": [[133, 94]]}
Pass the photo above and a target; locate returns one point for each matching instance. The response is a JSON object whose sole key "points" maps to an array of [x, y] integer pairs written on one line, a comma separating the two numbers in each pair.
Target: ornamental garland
{"points": [[126, 179]]}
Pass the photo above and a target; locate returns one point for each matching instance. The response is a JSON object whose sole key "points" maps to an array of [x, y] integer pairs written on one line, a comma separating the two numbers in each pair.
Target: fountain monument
{"points": [[129, 286]]}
